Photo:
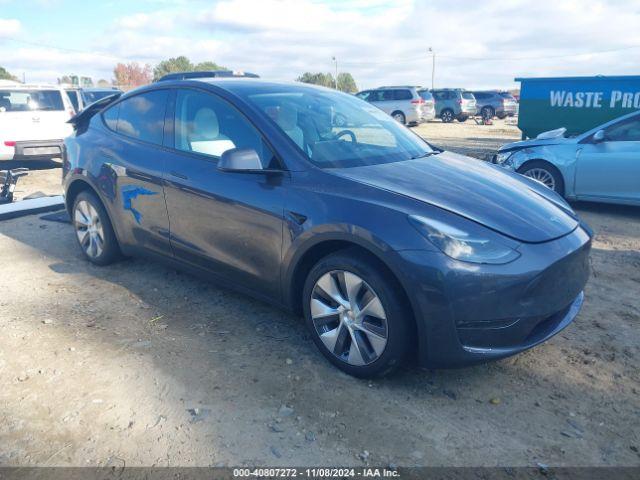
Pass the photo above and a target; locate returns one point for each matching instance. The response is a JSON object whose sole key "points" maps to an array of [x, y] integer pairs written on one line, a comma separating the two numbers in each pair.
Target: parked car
{"points": [[429, 103], [383, 243], [33, 123], [454, 103], [492, 103], [81, 97], [403, 103], [600, 165]]}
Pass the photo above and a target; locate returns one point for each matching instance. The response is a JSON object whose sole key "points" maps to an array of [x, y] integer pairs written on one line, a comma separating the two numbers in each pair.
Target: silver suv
{"points": [[493, 103], [403, 103], [454, 103]]}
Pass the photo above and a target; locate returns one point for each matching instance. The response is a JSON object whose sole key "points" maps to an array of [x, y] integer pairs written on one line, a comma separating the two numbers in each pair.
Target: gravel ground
{"points": [[137, 364]]}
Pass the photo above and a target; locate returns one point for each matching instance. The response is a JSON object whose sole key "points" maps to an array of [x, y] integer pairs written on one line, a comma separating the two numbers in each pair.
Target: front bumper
{"points": [[471, 313]]}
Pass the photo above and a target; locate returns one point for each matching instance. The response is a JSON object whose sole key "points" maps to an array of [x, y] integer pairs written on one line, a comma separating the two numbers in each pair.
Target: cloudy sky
{"points": [[478, 44]]}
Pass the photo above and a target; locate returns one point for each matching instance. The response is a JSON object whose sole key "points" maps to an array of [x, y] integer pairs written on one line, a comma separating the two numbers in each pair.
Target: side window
{"points": [[628, 131], [387, 95], [208, 125], [142, 116], [402, 95], [364, 95], [110, 117], [73, 96]]}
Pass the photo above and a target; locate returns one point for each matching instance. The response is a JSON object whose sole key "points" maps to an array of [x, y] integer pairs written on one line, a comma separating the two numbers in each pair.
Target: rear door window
{"points": [[402, 94], [73, 96], [23, 100], [140, 117], [468, 96]]}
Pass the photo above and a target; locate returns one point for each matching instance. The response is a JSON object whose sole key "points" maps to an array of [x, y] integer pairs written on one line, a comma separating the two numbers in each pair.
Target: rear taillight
{"points": [[9, 143], [419, 101], [72, 112], [459, 102]]}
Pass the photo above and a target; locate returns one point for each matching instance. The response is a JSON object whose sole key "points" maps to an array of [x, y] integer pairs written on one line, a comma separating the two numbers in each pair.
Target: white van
{"points": [[33, 123]]}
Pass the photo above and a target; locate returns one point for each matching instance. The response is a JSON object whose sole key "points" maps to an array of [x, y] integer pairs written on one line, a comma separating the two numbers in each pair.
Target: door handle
{"points": [[176, 174]]}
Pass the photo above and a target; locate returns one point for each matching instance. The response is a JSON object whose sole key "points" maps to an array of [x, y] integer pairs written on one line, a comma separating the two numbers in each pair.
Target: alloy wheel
{"points": [[89, 229], [349, 318], [543, 176], [447, 116]]}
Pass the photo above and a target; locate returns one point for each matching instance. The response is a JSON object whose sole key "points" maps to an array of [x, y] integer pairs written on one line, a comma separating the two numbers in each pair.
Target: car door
{"points": [[135, 157], [610, 169], [385, 101], [229, 223]]}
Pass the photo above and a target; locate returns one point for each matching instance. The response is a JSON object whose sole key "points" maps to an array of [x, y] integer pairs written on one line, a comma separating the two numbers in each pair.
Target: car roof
{"points": [[33, 86]]}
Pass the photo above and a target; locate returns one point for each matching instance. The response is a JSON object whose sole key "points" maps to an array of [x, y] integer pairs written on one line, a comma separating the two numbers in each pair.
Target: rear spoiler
{"points": [[82, 118]]}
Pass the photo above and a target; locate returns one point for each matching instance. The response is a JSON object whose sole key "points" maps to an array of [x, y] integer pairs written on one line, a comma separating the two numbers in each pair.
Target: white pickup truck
{"points": [[33, 124]]}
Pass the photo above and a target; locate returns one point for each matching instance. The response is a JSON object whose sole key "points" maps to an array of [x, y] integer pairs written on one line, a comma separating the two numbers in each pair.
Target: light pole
{"points": [[335, 79], [433, 67]]}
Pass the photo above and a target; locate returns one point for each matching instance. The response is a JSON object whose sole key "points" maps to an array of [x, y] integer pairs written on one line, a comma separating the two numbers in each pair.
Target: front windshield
{"points": [[336, 130]]}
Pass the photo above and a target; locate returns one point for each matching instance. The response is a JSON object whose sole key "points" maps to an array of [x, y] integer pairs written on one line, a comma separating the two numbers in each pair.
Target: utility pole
{"points": [[433, 67], [335, 79]]}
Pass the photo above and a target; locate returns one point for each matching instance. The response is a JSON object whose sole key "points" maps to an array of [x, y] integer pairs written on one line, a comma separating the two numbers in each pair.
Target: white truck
{"points": [[33, 124]]}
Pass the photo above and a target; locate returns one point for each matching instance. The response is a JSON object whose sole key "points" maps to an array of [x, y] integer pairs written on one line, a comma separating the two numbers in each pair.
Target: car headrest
{"points": [[205, 125]]}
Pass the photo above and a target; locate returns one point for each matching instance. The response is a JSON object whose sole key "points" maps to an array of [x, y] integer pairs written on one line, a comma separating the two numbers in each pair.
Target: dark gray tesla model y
{"points": [[385, 244]]}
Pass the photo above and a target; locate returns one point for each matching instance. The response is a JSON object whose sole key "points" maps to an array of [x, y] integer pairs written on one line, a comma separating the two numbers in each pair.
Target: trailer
{"points": [[575, 103]]}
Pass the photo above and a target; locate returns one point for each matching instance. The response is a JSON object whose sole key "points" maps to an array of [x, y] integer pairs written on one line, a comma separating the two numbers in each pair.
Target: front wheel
{"points": [[544, 173], [93, 229], [356, 315]]}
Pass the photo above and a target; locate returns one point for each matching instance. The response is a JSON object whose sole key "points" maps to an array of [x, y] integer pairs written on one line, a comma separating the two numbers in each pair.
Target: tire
{"points": [[502, 116], [540, 170], [94, 231], [487, 112], [462, 118], [399, 117], [447, 115], [390, 319]]}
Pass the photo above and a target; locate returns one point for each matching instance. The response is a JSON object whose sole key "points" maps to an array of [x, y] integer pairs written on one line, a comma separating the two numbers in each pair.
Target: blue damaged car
{"points": [[601, 165]]}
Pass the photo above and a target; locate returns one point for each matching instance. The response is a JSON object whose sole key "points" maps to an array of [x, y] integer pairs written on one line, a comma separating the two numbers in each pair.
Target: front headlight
{"points": [[503, 157], [474, 244]]}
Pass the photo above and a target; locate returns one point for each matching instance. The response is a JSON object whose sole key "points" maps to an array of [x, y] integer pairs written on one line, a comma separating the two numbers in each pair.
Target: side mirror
{"points": [[240, 160], [599, 136]]}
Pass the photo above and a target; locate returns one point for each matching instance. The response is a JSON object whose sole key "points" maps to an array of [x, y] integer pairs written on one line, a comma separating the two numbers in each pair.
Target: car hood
{"points": [[473, 189], [536, 142]]}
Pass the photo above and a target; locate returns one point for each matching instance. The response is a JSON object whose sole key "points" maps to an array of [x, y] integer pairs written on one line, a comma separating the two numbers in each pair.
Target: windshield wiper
{"points": [[425, 154]]}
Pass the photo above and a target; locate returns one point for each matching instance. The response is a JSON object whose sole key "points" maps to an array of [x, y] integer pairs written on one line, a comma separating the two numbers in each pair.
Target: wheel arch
{"points": [[304, 261]]}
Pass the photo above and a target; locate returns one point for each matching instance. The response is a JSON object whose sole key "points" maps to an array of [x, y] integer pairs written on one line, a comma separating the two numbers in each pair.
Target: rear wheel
{"points": [[447, 116], [94, 231], [544, 173], [399, 117], [462, 118], [356, 315], [487, 113]]}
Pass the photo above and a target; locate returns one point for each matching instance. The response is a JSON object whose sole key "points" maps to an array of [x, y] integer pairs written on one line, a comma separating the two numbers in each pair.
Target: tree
{"points": [[177, 64], [133, 74], [346, 83], [323, 79], [208, 66], [5, 75]]}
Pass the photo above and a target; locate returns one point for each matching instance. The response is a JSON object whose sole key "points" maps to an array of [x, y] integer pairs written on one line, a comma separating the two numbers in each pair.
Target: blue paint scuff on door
{"points": [[131, 192]]}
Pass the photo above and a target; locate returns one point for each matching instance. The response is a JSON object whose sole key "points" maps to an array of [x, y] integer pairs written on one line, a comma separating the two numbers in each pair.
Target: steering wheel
{"points": [[341, 133]]}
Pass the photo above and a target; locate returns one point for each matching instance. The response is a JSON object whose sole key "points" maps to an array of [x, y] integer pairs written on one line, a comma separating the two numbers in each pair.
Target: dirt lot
{"points": [[137, 364]]}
